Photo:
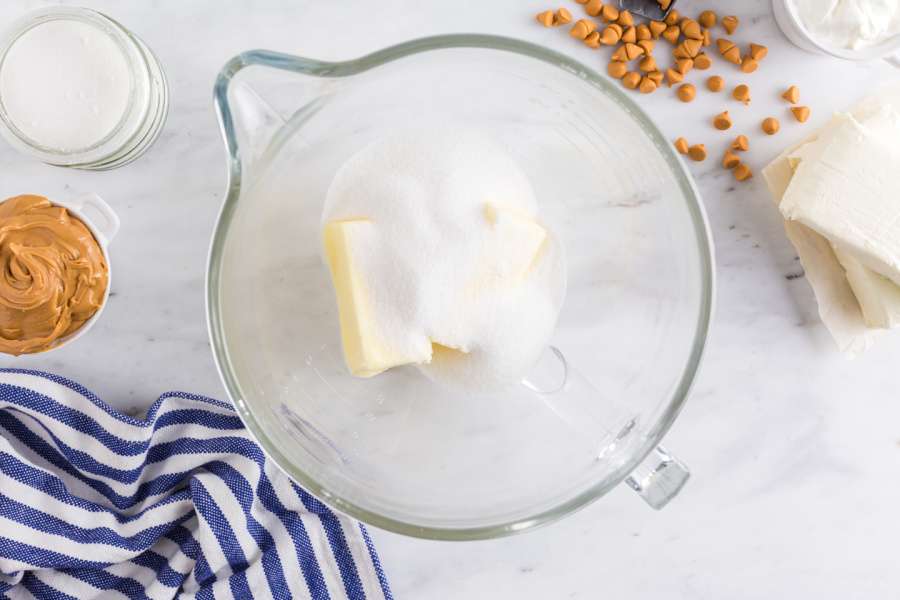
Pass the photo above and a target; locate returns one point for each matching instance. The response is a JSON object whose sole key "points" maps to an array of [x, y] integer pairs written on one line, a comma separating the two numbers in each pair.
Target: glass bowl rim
{"points": [[325, 69]]}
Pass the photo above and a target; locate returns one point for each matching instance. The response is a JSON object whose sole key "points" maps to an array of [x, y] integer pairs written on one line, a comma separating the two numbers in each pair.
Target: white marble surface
{"points": [[795, 451]]}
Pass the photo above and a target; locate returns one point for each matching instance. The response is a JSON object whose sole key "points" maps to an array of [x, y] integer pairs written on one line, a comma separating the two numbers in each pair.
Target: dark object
{"points": [[646, 8]]}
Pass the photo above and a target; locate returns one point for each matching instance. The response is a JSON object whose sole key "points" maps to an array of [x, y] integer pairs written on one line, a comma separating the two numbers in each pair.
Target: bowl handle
{"points": [[659, 478], [99, 214]]}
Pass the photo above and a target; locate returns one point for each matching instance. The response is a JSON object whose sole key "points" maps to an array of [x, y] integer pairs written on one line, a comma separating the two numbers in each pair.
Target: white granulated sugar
{"points": [[65, 84], [453, 257]]}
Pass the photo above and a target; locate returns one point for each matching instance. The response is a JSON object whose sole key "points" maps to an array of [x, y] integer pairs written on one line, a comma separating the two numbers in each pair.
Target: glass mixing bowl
{"points": [[399, 451]]}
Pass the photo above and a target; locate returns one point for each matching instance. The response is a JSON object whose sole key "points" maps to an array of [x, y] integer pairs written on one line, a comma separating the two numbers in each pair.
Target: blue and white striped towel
{"points": [[96, 504]]}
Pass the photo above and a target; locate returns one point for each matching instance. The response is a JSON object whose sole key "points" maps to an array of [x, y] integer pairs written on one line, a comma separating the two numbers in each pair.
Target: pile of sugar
{"points": [[436, 267]]}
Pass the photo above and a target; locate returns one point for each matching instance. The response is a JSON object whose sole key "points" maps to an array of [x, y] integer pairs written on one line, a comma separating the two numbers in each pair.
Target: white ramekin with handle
{"points": [[792, 27]]}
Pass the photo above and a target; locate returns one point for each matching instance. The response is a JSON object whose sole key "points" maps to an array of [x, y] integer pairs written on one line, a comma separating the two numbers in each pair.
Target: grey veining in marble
{"points": [[795, 451]]}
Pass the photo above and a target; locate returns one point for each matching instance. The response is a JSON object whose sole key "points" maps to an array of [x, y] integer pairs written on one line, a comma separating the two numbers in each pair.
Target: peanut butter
{"points": [[53, 275]]}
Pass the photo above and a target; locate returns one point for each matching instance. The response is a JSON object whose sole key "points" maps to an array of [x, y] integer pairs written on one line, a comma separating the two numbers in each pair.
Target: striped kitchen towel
{"points": [[96, 504]]}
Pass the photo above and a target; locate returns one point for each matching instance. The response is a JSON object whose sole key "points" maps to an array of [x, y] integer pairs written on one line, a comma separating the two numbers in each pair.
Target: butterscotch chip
{"points": [[792, 94], [715, 83], [742, 172], [722, 121], [647, 86], [632, 51], [688, 49], [733, 55], [724, 45], [593, 7], [631, 80], [625, 19], [708, 18], [730, 160], [647, 64], [801, 113], [702, 61], [630, 36], [742, 93], [684, 65], [770, 125], [664, 4], [609, 13], [730, 23], [673, 77], [656, 29], [592, 40], [749, 65], [617, 69], [563, 16], [681, 145], [740, 143], [697, 152], [671, 34], [758, 52], [582, 28], [620, 54], [545, 18], [673, 17], [707, 38], [610, 37], [691, 29], [647, 45], [686, 92], [643, 32], [656, 77]]}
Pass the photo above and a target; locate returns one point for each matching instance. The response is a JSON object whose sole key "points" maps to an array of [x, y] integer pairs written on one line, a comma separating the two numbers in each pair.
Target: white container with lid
{"points": [[79, 90]]}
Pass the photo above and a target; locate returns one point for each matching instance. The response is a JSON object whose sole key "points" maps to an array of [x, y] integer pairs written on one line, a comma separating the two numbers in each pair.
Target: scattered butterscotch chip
{"points": [[740, 143], [643, 32], [801, 113], [730, 160], [610, 37], [671, 34], [647, 64], [697, 152], [617, 28], [617, 69], [684, 65], [625, 19], [687, 92], [647, 45], [724, 45], [593, 7], [656, 77], [582, 28], [562, 16], [631, 80], [742, 172], [609, 13], [691, 29], [730, 23], [620, 54], [647, 86], [742, 93], [771, 125], [673, 77], [792, 94], [592, 40], [632, 51], [715, 83], [681, 145], [545, 18], [729, 50], [702, 61], [708, 18], [687, 49], [758, 51], [657, 28], [722, 121], [707, 38], [630, 36], [673, 17], [749, 64], [664, 4]]}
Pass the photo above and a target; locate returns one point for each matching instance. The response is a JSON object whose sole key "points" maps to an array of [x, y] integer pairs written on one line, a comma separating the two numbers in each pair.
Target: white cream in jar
{"points": [[849, 24]]}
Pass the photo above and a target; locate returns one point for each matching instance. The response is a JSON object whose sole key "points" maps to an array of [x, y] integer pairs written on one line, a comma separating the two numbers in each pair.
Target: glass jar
{"points": [[144, 114]]}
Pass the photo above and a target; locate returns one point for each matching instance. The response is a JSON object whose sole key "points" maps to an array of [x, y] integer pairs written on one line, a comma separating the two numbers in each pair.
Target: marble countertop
{"points": [[795, 451]]}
